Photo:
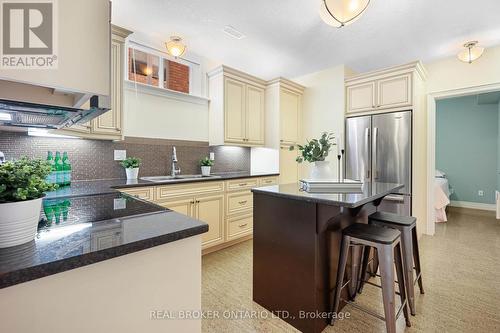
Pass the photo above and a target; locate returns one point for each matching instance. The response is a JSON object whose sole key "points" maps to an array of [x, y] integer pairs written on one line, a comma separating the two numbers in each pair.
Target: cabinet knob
{"points": [[243, 225]]}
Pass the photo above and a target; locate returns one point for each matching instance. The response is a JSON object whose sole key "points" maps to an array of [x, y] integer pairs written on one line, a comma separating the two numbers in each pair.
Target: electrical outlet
{"points": [[120, 155], [212, 156], [480, 193]]}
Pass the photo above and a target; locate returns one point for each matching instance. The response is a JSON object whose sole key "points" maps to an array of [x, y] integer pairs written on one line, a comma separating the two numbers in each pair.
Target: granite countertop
{"points": [[107, 186], [79, 231], [370, 192]]}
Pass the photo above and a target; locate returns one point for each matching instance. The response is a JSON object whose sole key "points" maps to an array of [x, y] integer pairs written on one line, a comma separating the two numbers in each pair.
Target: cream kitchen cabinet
{"points": [[290, 105], [206, 208], [237, 108], [289, 168], [385, 91], [108, 126]]}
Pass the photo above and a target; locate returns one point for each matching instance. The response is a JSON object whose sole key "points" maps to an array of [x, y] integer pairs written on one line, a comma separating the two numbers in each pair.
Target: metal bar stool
{"points": [[407, 225], [387, 243]]}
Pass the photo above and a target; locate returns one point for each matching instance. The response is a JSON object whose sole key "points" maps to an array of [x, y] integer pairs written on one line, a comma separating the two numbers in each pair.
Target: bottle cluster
{"points": [[61, 169]]}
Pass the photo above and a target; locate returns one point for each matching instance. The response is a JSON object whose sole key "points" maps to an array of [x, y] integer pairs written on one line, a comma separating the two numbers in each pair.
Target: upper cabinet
{"points": [[108, 126], [283, 108], [391, 88], [237, 108]]}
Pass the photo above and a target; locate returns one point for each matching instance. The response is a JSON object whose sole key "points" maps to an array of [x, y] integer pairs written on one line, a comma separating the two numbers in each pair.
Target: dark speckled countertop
{"points": [[103, 186], [79, 231], [370, 192]]}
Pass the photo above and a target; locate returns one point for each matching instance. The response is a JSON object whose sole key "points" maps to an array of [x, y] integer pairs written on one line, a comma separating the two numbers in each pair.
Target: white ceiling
{"points": [[288, 38]]}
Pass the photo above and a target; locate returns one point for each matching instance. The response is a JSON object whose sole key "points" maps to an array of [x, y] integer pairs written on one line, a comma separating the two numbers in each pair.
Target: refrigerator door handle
{"points": [[367, 151], [375, 152]]}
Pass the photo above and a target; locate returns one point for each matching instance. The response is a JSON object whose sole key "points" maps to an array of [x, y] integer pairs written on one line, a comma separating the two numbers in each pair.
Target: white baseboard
{"points": [[473, 205]]}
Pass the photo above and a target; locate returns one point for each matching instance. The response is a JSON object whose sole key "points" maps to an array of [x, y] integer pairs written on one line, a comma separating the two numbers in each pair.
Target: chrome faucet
{"points": [[175, 170]]}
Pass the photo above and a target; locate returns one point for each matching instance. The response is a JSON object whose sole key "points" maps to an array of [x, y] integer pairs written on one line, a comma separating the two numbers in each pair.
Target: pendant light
{"points": [[472, 52], [339, 13], [175, 46]]}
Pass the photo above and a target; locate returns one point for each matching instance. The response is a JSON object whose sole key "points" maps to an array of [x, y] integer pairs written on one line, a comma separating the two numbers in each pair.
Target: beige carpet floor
{"points": [[461, 267]]}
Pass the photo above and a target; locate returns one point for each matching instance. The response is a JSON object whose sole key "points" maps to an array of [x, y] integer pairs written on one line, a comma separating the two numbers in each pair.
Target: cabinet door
{"points": [[289, 169], [182, 206], [110, 122], [361, 97], [234, 111], [255, 115], [289, 117], [210, 209], [394, 91]]}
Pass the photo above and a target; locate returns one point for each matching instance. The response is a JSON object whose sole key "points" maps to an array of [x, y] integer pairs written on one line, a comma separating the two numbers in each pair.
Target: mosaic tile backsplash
{"points": [[93, 159]]}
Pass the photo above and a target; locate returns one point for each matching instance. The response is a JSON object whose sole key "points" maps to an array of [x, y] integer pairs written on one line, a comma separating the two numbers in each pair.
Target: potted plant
{"points": [[316, 151], [22, 187], [131, 165], [206, 164]]}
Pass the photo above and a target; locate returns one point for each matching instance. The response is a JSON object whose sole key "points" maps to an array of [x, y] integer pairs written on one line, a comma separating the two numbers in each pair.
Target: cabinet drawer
{"points": [[146, 193], [242, 184], [268, 181], [172, 191], [239, 226], [239, 202]]}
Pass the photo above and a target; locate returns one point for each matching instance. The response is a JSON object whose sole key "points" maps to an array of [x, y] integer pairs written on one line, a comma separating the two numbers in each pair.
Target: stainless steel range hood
{"points": [[30, 106]]}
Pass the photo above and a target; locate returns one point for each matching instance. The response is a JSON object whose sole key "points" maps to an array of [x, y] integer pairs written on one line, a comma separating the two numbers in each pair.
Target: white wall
{"points": [[450, 73], [264, 160], [323, 106], [149, 114]]}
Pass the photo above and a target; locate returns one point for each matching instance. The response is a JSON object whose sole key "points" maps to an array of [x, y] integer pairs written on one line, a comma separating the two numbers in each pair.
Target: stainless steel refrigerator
{"points": [[379, 149]]}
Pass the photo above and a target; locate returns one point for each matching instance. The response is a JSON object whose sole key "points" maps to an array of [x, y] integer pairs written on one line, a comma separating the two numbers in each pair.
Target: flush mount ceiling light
{"points": [[175, 47], [472, 52], [339, 13]]}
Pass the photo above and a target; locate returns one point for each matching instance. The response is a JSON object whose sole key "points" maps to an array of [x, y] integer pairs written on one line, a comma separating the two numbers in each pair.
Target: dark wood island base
{"points": [[296, 249]]}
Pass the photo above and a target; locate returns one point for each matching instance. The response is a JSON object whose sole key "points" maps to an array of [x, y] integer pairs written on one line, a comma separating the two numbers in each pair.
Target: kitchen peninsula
{"points": [[296, 247], [102, 262]]}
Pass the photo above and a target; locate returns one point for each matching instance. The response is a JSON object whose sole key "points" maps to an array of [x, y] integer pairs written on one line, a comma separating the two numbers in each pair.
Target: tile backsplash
{"points": [[93, 159]]}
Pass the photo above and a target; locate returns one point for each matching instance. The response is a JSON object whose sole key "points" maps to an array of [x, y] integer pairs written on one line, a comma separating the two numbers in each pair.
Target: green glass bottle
{"points": [[59, 169], [66, 169], [50, 159]]}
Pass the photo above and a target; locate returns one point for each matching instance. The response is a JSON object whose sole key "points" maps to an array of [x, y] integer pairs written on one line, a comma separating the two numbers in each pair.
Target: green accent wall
{"points": [[467, 144]]}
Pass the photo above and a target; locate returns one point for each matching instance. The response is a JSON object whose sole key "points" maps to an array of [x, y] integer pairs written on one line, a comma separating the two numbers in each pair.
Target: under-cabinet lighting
{"points": [[5, 116], [45, 133]]}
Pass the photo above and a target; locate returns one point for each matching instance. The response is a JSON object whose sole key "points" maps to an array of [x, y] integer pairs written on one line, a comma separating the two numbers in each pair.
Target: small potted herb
{"points": [[22, 187], [206, 164], [315, 151], [131, 165]]}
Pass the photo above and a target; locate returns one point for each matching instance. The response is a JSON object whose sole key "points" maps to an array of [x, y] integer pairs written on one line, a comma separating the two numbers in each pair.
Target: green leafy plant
{"points": [[206, 162], [316, 149], [24, 179], [131, 163]]}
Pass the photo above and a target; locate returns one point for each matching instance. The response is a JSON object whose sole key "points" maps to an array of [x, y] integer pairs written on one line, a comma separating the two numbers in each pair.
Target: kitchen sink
{"points": [[163, 179]]}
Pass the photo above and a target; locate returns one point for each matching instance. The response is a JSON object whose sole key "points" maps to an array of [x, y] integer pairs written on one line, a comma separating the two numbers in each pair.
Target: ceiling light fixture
{"points": [[472, 52], [175, 47], [339, 13]]}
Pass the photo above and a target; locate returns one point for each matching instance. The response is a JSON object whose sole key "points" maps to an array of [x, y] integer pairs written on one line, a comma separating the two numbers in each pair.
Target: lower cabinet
{"points": [[227, 207], [209, 209]]}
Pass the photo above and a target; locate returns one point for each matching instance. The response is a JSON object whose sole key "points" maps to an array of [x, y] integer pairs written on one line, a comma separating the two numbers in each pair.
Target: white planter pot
{"points": [[321, 170], [132, 173], [19, 222], [205, 171]]}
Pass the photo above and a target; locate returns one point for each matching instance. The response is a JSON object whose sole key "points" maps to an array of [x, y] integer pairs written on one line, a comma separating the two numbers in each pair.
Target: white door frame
{"points": [[431, 140]]}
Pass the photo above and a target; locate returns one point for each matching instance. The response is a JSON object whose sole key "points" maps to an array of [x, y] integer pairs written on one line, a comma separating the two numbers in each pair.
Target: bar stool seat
{"points": [[377, 235], [390, 218], [387, 242], [407, 225]]}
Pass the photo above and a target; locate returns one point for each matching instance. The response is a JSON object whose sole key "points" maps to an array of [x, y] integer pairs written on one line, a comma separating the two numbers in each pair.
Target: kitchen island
{"points": [[103, 262], [296, 248]]}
